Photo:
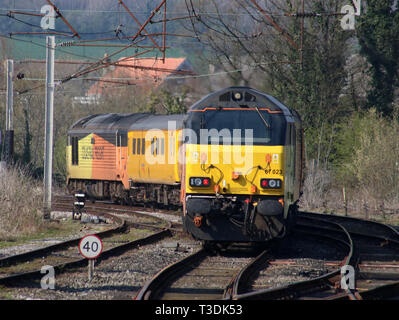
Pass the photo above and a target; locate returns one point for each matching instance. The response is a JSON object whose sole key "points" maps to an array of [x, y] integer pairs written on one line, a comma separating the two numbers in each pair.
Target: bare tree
{"points": [[271, 46]]}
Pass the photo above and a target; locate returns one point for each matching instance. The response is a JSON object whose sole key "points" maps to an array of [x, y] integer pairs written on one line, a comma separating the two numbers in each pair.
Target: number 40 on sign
{"points": [[90, 246]]}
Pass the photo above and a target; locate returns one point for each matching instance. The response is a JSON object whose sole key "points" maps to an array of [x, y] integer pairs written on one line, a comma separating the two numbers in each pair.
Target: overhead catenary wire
{"points": [[100, 63], [55, 30], [169, 77], [44, 46], [97, 64], [143, 13], [150, 79], [193, 14]]}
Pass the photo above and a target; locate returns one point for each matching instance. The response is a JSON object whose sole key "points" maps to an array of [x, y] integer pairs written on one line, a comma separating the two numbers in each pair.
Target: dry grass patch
{"points": [[21, 200]]}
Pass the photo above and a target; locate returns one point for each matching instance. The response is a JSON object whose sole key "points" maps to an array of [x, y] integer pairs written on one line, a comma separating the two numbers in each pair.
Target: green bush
{"points": [[368, 155]]}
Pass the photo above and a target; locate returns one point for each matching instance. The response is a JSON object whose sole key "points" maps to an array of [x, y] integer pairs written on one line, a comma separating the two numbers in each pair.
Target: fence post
{"points": [[345, 202]]}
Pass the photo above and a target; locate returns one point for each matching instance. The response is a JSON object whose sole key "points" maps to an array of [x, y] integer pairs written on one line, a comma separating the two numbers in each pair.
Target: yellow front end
{"points": [[235, 170], [234, 193]]}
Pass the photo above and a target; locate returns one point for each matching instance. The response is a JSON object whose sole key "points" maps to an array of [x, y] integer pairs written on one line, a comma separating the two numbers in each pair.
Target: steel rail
{"points": [[387, 291], [135, 211], [321, 283], [25, 256], [385, 239], [122, 225], [291, 291], [94, 209], [388, 237], [233, 288], [12, 280], [139, 225], [152, 289], [343, 219]]}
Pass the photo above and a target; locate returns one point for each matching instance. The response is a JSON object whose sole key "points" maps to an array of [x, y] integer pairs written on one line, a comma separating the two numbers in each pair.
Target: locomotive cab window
{"points": [[134, 146], [239, 127], [75, 151]]}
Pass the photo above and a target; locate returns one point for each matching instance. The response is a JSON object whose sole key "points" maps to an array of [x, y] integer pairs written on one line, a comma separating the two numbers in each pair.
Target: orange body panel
{"points": [[109, 161], [104, 159]]}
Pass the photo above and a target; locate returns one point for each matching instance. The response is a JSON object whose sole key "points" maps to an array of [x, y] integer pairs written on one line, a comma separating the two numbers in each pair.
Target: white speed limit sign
{"points": [[90, 246]]}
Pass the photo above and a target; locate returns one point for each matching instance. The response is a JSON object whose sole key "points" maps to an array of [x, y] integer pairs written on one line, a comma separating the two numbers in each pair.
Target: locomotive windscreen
{"points": [[232, 126]]}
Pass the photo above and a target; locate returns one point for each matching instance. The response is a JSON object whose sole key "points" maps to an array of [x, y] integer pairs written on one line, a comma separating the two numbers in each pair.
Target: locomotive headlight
{"points": [[237, 96], [270, 183], [200, 182]]}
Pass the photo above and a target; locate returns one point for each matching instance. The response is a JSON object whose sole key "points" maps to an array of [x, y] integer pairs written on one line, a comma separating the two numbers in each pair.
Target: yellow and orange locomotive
{"points": [[234, 163]]}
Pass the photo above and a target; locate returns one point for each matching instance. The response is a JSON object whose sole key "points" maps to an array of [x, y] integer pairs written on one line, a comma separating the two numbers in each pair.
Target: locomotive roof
{"points": [[111, 122], [158, 121], [249, 97]]}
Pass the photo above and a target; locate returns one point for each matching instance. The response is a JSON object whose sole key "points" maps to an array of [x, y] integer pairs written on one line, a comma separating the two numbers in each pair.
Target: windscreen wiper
{"points": [[263, 119]]}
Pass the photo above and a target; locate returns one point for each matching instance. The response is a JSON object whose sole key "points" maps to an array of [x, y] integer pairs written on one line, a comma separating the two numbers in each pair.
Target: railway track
{"points": [[320, 287], [365, 240], [364, 245], [378, 255], [175, 281], [355, 225], [235, 273], [204, 275], [166, 219], [65, 255]]}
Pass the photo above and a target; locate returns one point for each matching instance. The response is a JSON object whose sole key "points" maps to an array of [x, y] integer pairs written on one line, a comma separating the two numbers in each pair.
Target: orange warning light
{"points": [[235, 175], [198, 221]]}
